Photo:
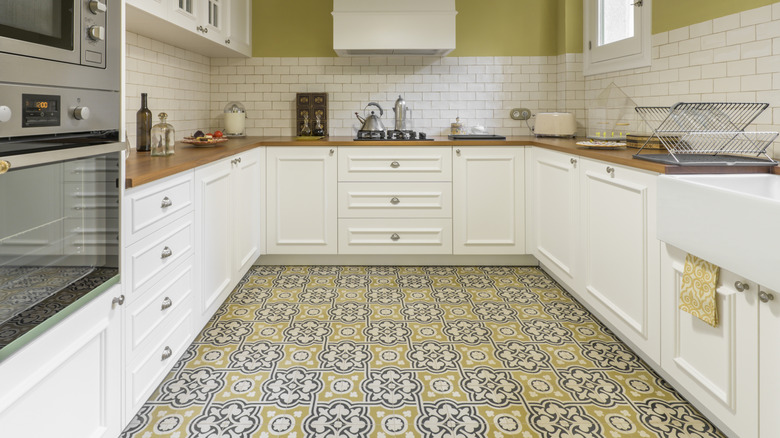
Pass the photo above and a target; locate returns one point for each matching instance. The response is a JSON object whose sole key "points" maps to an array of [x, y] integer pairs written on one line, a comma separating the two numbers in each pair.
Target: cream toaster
{"points": [[555, 125]]}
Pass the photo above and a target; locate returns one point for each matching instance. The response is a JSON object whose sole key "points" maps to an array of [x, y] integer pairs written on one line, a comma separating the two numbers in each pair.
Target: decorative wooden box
{"points": [[313, 105]]}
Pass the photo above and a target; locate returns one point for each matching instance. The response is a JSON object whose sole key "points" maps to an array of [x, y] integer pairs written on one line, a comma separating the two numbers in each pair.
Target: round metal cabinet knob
{"points": [[166, 202], [167, 352], [167, 303], [740, 286], [395, 201], [395, 237], [166, 252], [765, 297], [395, 164]]}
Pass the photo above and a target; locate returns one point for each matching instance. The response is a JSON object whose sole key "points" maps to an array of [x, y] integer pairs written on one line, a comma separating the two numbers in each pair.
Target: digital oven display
{"points": [[40, 110]]}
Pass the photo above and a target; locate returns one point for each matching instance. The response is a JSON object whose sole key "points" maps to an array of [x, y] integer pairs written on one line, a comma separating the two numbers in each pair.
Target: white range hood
{"points": [[393, 27]]}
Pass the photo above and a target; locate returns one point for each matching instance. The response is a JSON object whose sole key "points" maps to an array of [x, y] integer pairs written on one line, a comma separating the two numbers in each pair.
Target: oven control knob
{"points": [[96, 6], [5, 113], [97, 33], [81, 113]]}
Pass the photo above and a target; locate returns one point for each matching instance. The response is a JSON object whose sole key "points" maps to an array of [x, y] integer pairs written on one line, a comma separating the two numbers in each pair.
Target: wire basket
{"points": [[708, 133]]}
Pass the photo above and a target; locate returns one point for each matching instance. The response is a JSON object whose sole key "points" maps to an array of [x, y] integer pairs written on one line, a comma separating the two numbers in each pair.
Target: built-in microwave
{"points": [[67, 43]]}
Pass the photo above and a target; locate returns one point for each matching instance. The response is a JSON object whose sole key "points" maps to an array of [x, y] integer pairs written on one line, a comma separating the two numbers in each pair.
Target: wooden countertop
{"points": [[142, 168]]}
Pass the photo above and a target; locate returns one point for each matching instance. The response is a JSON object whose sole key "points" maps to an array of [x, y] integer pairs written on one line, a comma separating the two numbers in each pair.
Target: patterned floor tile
{"points": [[385, 351]]}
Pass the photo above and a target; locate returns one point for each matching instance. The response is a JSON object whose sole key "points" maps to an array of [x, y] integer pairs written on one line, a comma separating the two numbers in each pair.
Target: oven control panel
{"points": [[40, 110]]}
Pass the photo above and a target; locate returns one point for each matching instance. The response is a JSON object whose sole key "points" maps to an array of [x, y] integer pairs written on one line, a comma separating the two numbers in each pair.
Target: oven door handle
{"points": [[37, 158]]}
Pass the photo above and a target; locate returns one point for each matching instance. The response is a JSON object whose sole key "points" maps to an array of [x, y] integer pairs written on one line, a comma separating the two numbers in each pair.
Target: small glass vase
{"points": [[163, 137]]}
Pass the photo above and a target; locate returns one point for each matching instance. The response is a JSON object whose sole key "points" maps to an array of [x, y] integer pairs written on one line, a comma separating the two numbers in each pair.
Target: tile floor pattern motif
{"points": [[457, 352]]}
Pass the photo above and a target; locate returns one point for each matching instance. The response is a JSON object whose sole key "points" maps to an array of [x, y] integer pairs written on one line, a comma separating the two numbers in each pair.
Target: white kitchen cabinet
{"points": [[619, 251], [302, 197], [239, 32], [68, 382], [769, 366], [228, 198], [202, 26], [378, 163], [718, 366], [553, 201], [488, 200]]}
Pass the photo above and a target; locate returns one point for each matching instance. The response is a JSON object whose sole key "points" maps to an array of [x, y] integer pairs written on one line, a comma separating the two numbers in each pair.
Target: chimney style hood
{"points": [[393, 27]]}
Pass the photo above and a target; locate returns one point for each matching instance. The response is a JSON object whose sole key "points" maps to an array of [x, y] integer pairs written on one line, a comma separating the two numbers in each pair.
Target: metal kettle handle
{"points": [[381, 111]]}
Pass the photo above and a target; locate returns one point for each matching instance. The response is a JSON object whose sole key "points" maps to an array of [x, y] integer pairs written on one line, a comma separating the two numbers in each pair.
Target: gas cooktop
{"points": [[392, 135]]}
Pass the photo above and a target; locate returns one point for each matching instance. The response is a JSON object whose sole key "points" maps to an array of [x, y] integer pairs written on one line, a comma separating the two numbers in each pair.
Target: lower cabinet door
{"points": [[718, 366], [488, 204], [213, 235], [395, 236], [619, 251], [67, 383], [769, 329]]}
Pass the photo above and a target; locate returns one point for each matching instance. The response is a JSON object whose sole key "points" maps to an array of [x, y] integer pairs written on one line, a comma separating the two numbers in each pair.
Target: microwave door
{"points": [[46, 29]]}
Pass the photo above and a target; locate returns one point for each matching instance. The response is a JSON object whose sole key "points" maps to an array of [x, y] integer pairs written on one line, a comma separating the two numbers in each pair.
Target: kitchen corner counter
{"points": [[141, 168]]}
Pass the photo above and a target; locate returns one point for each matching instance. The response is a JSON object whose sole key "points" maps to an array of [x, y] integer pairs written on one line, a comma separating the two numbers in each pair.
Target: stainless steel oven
{"points": [[61, 159]]}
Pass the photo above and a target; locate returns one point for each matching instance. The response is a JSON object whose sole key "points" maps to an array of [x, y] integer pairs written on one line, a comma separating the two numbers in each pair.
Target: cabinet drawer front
{"points": [[152, 258], [147, 316], [395, 164], [150, 365], [150, 208], [395, 236], [395, 200]]}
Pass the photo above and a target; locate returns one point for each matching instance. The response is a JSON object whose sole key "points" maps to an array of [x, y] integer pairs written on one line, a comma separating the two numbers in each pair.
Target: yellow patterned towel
{"points": [[697, 293]]}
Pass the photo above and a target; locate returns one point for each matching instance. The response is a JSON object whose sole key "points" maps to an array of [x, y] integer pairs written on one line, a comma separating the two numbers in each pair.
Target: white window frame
{"points": [[621, 55]]}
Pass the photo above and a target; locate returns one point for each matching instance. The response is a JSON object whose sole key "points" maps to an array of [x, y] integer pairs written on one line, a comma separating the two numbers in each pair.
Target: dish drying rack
{"points": [[707, 134]]}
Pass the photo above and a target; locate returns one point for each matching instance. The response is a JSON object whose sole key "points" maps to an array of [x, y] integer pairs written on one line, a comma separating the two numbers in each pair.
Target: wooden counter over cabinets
{"points": [[141, 168]]}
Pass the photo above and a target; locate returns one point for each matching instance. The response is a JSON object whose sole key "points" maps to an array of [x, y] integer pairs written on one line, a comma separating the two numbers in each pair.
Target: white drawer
{"points": [[150, 365], [423, 163], [151, 207], [167, 300], [395, 200], [149, 260], [395, 236]]}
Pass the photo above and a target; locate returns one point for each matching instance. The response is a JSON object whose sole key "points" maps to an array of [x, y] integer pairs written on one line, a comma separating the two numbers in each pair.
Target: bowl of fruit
{"points": [[200, 139]]}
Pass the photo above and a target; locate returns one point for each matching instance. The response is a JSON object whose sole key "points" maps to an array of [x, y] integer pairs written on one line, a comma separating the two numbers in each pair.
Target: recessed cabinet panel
{"points": [[554, 211], [718, 365], [302, 196], [395, 163], [153, 257], [395, 200], [769, 316], [620, 252], [488, 200], [395, 236]]}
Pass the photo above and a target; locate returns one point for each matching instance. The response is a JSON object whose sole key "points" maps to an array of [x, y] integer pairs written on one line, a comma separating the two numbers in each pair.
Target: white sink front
{"points": [[730, 220]]}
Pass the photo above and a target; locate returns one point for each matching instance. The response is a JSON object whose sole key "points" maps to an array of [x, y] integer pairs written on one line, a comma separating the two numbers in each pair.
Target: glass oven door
{"points": [[59, 231], [46, 29]]}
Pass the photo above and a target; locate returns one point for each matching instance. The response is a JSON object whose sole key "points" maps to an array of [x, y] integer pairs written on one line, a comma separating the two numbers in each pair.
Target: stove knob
{"points": [[81, 113], [5, 114], [97, 33], [96, 6]]}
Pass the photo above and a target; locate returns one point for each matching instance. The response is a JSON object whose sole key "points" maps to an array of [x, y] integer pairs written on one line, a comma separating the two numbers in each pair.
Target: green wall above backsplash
{"points": [[299, 28]]}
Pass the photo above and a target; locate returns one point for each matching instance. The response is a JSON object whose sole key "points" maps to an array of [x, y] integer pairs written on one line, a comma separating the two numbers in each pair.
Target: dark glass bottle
{"points": [[143, 130]]}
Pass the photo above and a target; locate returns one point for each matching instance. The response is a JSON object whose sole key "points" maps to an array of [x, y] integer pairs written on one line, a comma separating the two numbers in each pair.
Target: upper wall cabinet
{"points": [[215, 28]]}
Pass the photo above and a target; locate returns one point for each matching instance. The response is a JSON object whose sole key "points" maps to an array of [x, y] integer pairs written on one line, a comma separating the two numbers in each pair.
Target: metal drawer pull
{"points": [[118, 300], [740, 286], [765, 297], [573, 161], [331, 152], [457, 151], [166, 253], [395, 237], [166, 202], [166, 303], [611, 170], [395, 164], [167, 352], [395, 201]]}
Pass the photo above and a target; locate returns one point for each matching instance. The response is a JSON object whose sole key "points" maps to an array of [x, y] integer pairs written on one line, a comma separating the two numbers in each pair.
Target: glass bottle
{"points": [[163, 137], [319, 131], [143, 122], [305, 129]]}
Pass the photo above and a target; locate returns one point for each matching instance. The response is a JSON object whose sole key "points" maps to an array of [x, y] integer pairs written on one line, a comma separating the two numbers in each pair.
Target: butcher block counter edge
{"points": [[142, 169]]}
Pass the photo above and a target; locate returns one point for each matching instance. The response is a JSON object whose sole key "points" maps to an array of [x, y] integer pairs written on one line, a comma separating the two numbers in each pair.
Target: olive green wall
{"points": [[297, 28], [673, 14]]}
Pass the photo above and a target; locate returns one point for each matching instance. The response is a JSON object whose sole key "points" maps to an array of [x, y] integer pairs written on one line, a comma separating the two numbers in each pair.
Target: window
{"points": [[617, 35]]}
